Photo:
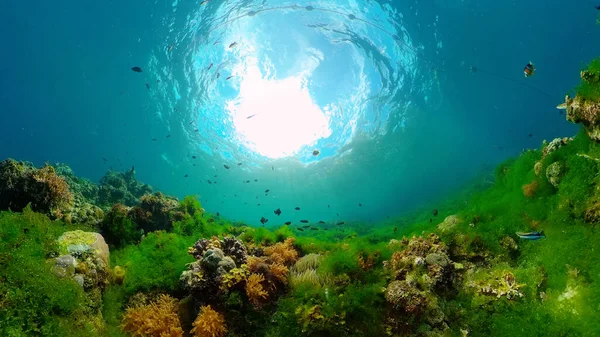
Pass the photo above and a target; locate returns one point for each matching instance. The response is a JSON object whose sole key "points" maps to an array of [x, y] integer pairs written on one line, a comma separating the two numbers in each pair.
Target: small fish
{"points": [[304, 221], [147, 86], [204, 2], [430, 220], [153, 139], [210, 182], [341, 223], [247, 181], [529, 69], [316, 152], [211, 220], [321, 222], [328, 206], [337, 214], [171, 47], [257, 204], [297, 208], [314, 229], [191, 122], [137, 69], [359, 204], [193, 157], [272, 168], [215, 176], [168, 136], [250, 116], [226, 167], [233, 45], [209, 66], [228, 78], [277, 212], [288, 223], [530, 135], [531, 235], [185, 176], [395, 229], [104, 159], [307, 226], [218, 214], [300, 229], [255, 180], [434, 212], [218, 75], [597, 7], [267, 191], [216, 42], [196, 130], [239, 164]]}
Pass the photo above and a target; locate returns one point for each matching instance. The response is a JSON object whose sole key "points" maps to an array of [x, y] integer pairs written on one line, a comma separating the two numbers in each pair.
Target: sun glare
{"points": [[276, 118]]}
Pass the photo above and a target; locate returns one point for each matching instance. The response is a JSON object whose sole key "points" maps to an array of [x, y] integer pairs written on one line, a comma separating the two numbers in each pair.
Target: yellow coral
{"points": [[209, 323], [158, 319], [234, 276], [255, 290], [283, 253]]}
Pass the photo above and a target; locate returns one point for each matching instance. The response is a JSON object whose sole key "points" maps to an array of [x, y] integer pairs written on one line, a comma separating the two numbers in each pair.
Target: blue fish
{"points": [[531, 235]]}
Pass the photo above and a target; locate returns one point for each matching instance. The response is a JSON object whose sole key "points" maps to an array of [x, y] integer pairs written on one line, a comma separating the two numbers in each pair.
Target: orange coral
{"points": [[158, 319], [254, 263], [282, 253], [530, 189], [57, 192], [280, 272], [255, 290], [209, 323]]}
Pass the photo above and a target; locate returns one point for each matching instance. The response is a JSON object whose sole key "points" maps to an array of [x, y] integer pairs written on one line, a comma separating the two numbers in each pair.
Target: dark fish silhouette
{"points": [[314, 229], [340, 223], [228, 78], [218, 214], [267, 191], [263, 220], [300, 229], [196, 130], [272, 168], [147, 86], [297, 208], [288, 223], [250, 116], [248, 181], [185, 176], [226, 166], [307, 226], [153, 139], [277, 212], [137, 69], [193, 157], [255, 180], [233, 45], [321, 222], [328, 206], [316, 152], [434, 212], [257, 204], [210, 182], [168, 136], [304, 221], [209, 66], [239, 164], [359, 204], [218, 75]]}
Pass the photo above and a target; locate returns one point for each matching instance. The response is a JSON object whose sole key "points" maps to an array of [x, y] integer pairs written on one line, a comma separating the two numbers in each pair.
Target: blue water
{"points": [[382, 89]]}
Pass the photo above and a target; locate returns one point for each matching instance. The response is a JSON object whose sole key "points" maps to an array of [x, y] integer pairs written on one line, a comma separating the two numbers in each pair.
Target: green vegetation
{"points": [[589, 87]]}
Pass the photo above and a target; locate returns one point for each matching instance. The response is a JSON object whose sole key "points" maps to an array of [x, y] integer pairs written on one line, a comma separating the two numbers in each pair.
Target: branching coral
{"points": [[279, 272], [254, 289], [282, 252], [209, 323], [158, 319]]}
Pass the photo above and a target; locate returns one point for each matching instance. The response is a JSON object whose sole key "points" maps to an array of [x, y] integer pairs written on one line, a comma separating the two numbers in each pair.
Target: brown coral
{"points": [[53, 188], [280, 272], [209, 323], [254, 289], [158, 319], [282, 252], [530, 189]]}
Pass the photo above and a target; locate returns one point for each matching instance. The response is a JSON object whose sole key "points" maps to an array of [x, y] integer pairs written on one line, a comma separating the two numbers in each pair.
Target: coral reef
{"points": [[121, 187], [158, 319]]}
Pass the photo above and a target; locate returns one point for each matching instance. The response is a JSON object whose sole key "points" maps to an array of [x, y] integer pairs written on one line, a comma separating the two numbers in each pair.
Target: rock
{"points": [[437, 259], [537, 168], [64, 266], [79, 279], [586, 112], [79, 243], [554, 145], [225, 265], [212, 257], [553, 173], [448, 223]]}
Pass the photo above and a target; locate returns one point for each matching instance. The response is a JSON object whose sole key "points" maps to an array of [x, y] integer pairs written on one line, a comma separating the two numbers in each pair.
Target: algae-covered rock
{"points": [[449, 223], [554, 145], [78, 243], [586, 112], [553, 173], [121, 187], [212, 258]]}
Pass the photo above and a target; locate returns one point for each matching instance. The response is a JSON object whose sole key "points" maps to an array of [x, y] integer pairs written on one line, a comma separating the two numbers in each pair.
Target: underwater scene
{"points": [[342, 168]]}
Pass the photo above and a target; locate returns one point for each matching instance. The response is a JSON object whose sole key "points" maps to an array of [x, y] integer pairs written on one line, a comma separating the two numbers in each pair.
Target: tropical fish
{"points": [[304, 221], [226, 166], [137, 69], [277, 212], [263, 220], [316, 152], [535, 235], [297, 208], [529, 69]]}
